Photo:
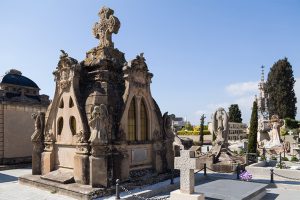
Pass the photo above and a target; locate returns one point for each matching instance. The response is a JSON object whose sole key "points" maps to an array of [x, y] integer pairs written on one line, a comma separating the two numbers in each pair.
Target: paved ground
{"points": [[11, 189]]}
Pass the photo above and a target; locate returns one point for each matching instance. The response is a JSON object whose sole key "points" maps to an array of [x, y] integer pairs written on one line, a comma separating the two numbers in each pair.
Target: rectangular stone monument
{"points": [[187, 163]]}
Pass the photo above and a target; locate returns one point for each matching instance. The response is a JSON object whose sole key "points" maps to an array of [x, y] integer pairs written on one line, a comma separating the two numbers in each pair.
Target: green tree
{"points": [[201, 129], [252, 137], [235, 114], [280, 88]]}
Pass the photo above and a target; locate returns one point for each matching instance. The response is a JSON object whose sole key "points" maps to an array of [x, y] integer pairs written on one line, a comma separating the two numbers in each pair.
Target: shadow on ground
{"points": [[7, 178]]}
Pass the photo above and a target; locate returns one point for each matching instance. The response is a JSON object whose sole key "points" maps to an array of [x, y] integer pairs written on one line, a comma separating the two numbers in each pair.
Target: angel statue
{"points": [[220, 126], [99, 125]]}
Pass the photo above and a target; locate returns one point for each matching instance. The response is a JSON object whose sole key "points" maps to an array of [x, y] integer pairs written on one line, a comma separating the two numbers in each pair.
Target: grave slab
{"points": [[232, 190]]}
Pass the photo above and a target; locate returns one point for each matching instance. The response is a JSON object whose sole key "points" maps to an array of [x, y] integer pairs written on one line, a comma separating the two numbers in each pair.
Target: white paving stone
{"points": [[11, 189]]}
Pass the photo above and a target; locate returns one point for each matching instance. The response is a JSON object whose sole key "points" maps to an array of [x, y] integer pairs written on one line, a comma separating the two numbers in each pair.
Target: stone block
{"points": [[47, 162], [36, 163], [98, 172], [81, 169], [177, 195]]}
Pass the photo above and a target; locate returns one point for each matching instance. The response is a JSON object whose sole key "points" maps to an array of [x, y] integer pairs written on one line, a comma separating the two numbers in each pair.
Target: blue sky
{"points": [[203, 54]]}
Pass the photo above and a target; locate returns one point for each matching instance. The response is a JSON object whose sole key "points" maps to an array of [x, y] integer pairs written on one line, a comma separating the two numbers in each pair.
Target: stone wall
{"points": [[196, 138], [17, 128]]}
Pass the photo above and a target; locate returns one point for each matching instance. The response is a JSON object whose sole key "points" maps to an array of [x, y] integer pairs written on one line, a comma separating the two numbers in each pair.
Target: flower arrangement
{"points": [[245, 176]]}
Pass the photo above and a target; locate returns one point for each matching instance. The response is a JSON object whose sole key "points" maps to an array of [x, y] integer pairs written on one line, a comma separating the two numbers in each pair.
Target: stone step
{"points": [[59, 176]]}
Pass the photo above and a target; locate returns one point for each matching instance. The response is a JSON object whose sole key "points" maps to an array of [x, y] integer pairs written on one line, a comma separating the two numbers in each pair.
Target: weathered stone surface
{"points": [[47, 162], [98, 172], [187, 163], [37, 158], [89, 128], [60, 176], [178, 195], [81, 169]]}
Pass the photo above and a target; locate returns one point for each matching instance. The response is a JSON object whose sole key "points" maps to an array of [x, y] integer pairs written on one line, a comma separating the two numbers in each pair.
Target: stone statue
{"points": [[38, 126], [99, 125], [108, 24], [220, 129], [220, 126], [169, 139], [274, 133]]}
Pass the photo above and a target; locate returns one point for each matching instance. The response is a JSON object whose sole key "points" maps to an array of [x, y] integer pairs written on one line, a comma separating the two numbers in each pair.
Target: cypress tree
{"points": [[252, 137], [201, 129], [235, 114], [280, 88]]}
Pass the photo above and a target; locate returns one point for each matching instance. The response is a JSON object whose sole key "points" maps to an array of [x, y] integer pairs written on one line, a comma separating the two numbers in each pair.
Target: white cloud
{"points": [[240, 89], [209, 109]]}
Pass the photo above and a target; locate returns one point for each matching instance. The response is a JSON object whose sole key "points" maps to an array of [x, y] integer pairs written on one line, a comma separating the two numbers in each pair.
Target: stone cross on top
{"points": [[187, 163], [107, 25]]}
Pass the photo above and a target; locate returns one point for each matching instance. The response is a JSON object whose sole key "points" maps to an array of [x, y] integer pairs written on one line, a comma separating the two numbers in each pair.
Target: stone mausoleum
{"points": [[103, 123], [19, 98]]}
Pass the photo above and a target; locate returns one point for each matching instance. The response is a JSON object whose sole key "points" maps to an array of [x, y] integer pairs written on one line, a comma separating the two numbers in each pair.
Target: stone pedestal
{"points": [[82, 164], [47, 162], [37, 158], [98, 171], [47, 158], [177, 195], [81, 169], [122, 164]]}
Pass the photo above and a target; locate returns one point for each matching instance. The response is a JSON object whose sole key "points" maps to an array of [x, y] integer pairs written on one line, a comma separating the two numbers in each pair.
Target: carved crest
{"points": [[65, 70], [107, 25], [136, 71]]}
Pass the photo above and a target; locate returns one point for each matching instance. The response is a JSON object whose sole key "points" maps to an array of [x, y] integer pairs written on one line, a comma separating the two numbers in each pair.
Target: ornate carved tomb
{"points": [[103, 123]]}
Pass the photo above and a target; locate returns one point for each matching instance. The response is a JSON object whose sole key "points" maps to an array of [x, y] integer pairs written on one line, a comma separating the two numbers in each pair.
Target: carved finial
{"points": [[63, 54], [107, 25], [262, 73]]}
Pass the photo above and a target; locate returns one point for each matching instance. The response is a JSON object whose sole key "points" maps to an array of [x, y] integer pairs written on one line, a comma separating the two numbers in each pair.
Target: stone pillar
{"points": [[48, 158], [122, 163], [81, 164], [37, 158], [99, 166], [158, 161]]}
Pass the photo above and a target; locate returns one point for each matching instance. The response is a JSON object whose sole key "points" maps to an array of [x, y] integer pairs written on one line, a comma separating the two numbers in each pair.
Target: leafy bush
{"points": [[294, 159], [184, 132], [273, 158], [285, 159]]}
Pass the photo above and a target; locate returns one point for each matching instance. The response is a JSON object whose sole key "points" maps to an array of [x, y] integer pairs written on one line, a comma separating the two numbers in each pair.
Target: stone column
{"points": [[99, 166], [122, 163], [37, 158], [81, 164], [157, 151], [48, 158]]}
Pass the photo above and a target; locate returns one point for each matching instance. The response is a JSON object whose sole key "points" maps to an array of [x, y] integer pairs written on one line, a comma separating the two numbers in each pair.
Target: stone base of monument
{"points": [[64, 185], [75, 190], [232, 189], [178, 195], [60, 176], [226, 162]]}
